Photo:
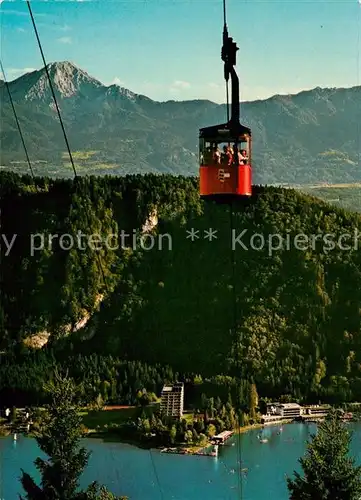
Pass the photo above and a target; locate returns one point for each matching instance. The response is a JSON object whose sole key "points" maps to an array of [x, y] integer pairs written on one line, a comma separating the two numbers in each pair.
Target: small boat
{"points": [[262, 440], [15, 437]]}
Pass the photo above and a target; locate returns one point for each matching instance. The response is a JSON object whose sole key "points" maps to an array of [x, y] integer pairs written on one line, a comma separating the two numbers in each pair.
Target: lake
{"points": [[135, 472]]}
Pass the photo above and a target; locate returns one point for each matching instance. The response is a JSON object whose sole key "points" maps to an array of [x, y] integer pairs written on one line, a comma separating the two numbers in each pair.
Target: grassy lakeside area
{"points": [[106, 424], [99, 423], [101, 420]]}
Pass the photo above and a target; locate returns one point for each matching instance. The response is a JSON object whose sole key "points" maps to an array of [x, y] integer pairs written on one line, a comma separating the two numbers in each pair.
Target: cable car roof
{"points": [[224, 130]]}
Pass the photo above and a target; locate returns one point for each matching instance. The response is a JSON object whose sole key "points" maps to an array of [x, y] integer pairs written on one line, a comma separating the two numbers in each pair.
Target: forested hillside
{"points": [[296, 309]]}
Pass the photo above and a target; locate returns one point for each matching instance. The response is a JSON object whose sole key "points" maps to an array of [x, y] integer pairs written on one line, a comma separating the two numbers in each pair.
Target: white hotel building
{"points": [[172, 400]]}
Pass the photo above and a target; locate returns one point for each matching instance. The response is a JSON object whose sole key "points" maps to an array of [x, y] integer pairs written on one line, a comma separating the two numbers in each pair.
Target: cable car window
{"points": [[205, 152], [222, 152]]}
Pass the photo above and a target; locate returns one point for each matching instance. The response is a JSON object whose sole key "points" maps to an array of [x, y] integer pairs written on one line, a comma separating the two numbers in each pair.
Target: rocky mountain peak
{"points": [[68, 80]]}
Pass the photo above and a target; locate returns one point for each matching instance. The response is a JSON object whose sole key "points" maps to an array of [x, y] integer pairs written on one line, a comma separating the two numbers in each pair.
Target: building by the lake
{"points": [[279, 411], [172, 400], [284, 410], [320, 410], [289, 410]]}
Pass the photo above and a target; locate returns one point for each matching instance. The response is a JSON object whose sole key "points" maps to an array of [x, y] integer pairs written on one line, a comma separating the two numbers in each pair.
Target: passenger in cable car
{"points": [[216, 155], [244, 157], [237, 155], [227, 155]]}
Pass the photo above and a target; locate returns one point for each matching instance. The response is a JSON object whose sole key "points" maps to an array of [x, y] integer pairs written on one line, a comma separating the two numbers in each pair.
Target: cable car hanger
{"points": [[230, 172]]}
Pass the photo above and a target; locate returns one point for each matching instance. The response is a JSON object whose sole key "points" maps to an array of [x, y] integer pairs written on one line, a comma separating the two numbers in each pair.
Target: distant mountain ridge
{"points": [[310, 137]]}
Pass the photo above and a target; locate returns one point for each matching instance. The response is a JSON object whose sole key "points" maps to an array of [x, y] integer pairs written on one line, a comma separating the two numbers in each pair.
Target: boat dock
{"points": [[207, 451], [222, 437]]}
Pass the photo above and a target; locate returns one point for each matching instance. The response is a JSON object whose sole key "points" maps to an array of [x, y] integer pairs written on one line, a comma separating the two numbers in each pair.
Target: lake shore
{"points": [[107, 424], [130, 470], [113, 436]]}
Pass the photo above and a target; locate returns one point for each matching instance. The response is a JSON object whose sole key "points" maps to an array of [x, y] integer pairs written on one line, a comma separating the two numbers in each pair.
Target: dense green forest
{"points": [[290, 315], [112, 381]]}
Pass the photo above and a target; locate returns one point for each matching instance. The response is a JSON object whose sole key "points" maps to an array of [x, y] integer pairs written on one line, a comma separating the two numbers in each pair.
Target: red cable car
{"points": [[225, 150]]}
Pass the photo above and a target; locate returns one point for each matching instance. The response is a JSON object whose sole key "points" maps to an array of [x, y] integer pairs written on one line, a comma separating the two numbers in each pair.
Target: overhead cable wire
{"points": [[51, 88], [100, 267], [75, 174], [237, 345], [16, 119], [156, 476], [235, 315], [358, 69]]}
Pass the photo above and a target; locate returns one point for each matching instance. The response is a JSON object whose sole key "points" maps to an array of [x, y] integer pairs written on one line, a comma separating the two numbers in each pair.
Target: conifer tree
{"points": [[329, 473], [59, 439], [253, 401]]}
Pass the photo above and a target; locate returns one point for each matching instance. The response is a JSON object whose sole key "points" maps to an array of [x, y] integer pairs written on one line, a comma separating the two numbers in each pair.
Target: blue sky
{"points": [[170, 49]]}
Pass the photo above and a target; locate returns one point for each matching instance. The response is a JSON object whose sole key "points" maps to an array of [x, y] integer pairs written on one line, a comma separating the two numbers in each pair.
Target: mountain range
{"points": [[310, 137]]}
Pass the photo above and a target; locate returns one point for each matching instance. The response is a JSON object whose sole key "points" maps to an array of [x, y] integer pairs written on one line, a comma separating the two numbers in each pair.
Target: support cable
{"points": [[75, 177], [235, 316], [17, 120], [156, 475], [358, 69], [238, 371], [51, 88], [100, 267]]}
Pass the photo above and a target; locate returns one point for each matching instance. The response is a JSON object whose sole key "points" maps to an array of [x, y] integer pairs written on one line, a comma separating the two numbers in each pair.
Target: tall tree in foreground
{"points": [[59, 439], [329, 473], [253, 401]]}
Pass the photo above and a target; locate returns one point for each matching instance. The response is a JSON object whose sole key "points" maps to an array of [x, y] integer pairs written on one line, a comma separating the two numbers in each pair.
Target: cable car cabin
{"points": [[225, 160]]}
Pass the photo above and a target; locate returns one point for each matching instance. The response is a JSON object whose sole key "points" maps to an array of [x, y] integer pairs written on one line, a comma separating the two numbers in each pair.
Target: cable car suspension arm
{"points": [[228, 55]]}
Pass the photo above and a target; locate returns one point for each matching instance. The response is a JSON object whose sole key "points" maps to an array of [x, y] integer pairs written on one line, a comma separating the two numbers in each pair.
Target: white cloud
{"points": [[15, 72], [213, 85], [19, 12], [14, 12], [65, 39], [66, 27], [118, 81], [179, 84]]}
